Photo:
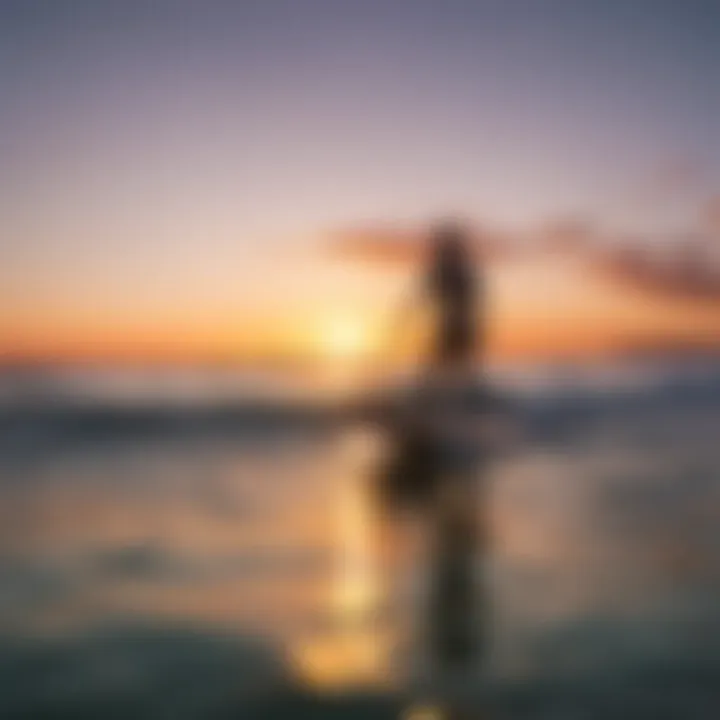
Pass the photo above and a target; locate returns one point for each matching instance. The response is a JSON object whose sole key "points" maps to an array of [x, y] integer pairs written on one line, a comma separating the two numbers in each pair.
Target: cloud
{"points": [[683, 267], [387, 244], [683, 270], [384, 245]]}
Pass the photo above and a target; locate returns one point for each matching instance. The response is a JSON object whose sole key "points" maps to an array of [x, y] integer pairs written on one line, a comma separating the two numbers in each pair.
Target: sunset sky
{"points": [[179, 180]]}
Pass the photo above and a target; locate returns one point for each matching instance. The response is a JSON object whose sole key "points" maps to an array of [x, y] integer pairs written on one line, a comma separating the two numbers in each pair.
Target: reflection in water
{"points": [[353, 652], [356, 583], [604, 563]]}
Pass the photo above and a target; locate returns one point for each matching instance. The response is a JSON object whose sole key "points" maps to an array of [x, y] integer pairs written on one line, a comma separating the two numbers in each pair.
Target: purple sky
{"points": [[164, 155]]}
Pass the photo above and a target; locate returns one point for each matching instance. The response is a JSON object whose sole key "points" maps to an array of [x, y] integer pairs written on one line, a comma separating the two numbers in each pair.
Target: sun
{"points": [[343, 336]]}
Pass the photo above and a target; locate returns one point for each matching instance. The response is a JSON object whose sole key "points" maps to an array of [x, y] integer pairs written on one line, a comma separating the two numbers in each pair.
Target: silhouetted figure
{"points": [[437, 450], [452, 287], [454, 291]]}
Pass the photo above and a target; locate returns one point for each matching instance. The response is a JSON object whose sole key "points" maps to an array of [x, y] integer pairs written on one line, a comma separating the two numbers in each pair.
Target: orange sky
{"points": [[167, 179], [538, 308]]}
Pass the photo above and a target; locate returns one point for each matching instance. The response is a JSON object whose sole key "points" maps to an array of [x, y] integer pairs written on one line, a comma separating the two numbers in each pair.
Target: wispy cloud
{"points": [[683, 266], [684, 271], [396, 244]]}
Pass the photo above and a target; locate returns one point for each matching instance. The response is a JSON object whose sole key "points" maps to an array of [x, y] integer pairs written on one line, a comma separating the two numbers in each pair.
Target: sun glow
{"points": [[356, 651], [344, 336]]}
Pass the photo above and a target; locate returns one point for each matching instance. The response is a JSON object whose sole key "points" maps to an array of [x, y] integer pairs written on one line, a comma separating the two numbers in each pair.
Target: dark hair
{"points": [[452, 286], [451, 271]]}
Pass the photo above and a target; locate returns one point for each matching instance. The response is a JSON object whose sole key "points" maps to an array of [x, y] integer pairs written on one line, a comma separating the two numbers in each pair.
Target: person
{"points": [[452, 285], [436, 448], [434, 411]]}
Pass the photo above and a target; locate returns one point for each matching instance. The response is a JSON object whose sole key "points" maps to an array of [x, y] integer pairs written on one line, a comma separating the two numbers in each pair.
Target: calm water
{"points": [[197, 571]]}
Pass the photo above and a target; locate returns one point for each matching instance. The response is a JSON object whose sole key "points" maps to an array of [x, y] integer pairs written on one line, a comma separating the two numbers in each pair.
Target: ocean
{"points": [[176, 546]]}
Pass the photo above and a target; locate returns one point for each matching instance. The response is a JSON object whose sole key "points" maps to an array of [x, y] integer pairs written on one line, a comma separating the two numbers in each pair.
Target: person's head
{"points": [[450, 246]]}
